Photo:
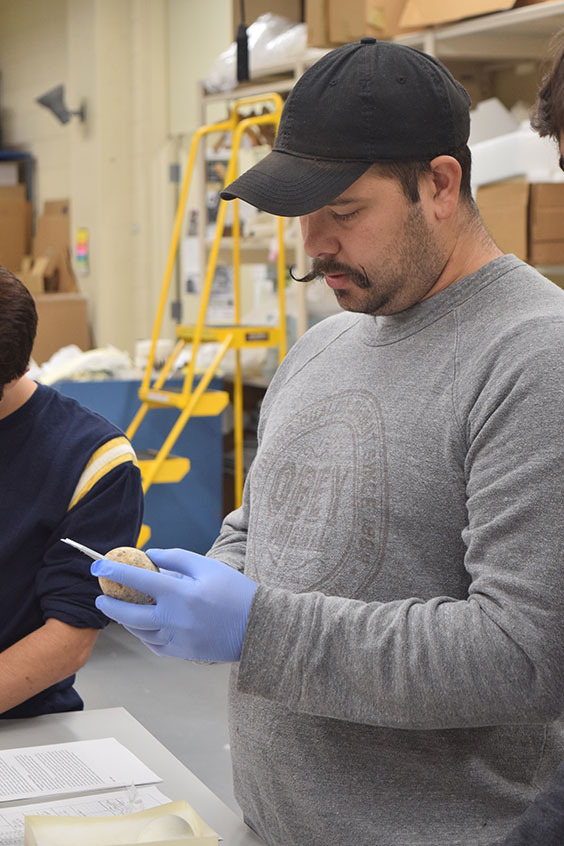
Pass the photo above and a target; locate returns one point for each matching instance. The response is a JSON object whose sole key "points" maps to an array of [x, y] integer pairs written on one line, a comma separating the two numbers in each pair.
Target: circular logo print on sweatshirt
{"points": [[319, 498]]}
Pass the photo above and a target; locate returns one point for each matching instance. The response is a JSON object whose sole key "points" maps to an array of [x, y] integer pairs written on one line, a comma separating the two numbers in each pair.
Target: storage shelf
{"points": [[515, 34], [280, 78]]}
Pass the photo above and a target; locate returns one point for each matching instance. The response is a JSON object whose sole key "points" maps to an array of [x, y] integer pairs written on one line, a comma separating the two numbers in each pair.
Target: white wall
{"points": [[33, 59], [113, 54], [136, 64], [199, 30], [120, 185]]}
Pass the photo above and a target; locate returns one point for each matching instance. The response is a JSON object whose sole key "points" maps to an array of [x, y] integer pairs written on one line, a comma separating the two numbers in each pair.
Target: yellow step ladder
{"points": [[159, 465]]}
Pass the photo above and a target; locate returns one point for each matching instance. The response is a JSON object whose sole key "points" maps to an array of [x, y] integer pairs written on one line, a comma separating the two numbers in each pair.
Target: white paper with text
{"points": [[80, 766]]}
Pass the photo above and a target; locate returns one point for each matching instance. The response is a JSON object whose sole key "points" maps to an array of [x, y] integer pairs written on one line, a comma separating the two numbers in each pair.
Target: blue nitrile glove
{"points": [[201, 607]]}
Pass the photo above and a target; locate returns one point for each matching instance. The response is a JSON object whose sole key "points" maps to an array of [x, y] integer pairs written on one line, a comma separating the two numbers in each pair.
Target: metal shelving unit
{"points": [[514, 35]]}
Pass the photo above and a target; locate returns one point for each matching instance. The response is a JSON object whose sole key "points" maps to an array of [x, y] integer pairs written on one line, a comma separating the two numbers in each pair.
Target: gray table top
{"points": [[178, 782]]}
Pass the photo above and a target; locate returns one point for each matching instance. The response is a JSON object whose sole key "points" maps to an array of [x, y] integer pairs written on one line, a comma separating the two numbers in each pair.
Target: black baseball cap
{"points": [[371, 101]]}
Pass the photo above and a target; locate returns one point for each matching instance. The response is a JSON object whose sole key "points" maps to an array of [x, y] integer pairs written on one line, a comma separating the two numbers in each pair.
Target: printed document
{"points": [[80, 766]]}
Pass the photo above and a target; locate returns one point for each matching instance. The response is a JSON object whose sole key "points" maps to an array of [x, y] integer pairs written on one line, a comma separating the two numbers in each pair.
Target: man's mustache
{"points": [[322, 267]]}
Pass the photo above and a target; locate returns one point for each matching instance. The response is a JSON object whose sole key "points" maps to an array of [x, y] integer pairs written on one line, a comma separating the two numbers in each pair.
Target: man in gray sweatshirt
{"points": [[390, 592]]}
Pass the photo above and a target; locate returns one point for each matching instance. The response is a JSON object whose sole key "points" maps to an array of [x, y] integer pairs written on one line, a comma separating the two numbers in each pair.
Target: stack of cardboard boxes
{"points": [[526, 219], [15, 226], [43, 264], [418, 14], [332, 22], [546, 223], [47, 271]]}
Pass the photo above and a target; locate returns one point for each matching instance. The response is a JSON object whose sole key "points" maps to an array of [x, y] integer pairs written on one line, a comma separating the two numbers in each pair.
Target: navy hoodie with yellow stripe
{"points": [[65, 471]]}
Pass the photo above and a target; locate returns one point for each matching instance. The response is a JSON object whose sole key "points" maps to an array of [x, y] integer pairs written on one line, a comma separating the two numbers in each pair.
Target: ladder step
{"points": [[173, 469], [210, 404], [243, 336], [144, 535]]}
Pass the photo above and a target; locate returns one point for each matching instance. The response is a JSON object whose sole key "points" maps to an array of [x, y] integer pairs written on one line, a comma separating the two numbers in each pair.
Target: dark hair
{"points": [[408, 173], [547, 116], [18, 325]]}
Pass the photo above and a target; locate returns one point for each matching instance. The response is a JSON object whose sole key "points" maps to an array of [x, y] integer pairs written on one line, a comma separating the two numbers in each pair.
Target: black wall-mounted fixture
{"points": [[242, 48], [54, 100]]}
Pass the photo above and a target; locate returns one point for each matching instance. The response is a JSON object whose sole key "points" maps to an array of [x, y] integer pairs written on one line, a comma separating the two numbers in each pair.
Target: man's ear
{"points": [[446, 175]]}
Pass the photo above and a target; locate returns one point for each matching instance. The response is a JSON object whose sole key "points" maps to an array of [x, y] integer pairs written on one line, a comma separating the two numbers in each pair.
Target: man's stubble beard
{"points": [[403, 276]]}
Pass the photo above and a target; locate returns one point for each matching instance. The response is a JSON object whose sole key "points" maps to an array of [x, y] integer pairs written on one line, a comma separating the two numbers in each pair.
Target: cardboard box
{"points": [[52, 241], [291, 9], [62, 320], [546, 223], [32, 274], [56, 207], [546, 211], [317, 20], [421, 13], [504, 210], [331, 22], [547, 252], [354, 19], [13, 192], [525, 219], [547, 194], [15, 231], [52, 232]]}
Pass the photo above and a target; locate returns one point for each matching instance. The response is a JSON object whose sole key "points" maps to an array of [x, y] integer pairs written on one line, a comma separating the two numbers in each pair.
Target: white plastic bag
{"points": [[71, 362], [272, 41]]}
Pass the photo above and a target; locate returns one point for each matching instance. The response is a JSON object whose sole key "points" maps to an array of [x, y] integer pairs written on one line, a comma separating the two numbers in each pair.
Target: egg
{"points": [[137, 558]]}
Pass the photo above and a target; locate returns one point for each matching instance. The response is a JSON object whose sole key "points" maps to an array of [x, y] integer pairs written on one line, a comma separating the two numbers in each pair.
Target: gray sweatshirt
{"points": [[402, 675]]}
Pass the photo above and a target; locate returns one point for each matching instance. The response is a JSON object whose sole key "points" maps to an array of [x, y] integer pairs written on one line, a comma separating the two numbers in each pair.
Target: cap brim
{"points": [[289, 186]]}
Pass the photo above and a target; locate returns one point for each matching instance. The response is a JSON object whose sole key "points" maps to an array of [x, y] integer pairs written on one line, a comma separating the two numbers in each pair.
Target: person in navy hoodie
{"points": [[65, 471]]}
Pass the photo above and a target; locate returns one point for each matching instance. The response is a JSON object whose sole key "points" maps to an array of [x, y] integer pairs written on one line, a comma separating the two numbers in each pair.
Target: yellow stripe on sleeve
{"points": [[111, 454]]}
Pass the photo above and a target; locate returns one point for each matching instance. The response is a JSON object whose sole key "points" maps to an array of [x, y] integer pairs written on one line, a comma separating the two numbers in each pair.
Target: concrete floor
{"points": [[183, 705]]}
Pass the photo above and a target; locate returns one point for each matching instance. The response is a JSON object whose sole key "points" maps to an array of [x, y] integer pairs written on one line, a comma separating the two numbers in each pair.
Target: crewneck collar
{"points": [[379, 330]]}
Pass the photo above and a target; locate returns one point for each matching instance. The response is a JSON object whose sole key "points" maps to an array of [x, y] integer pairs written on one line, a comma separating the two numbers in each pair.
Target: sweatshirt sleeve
{"points": [[491, 658], [105, 512]]}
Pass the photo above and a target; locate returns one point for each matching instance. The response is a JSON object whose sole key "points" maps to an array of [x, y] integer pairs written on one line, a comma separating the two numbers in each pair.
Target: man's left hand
{"points": [[201, 605]]}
